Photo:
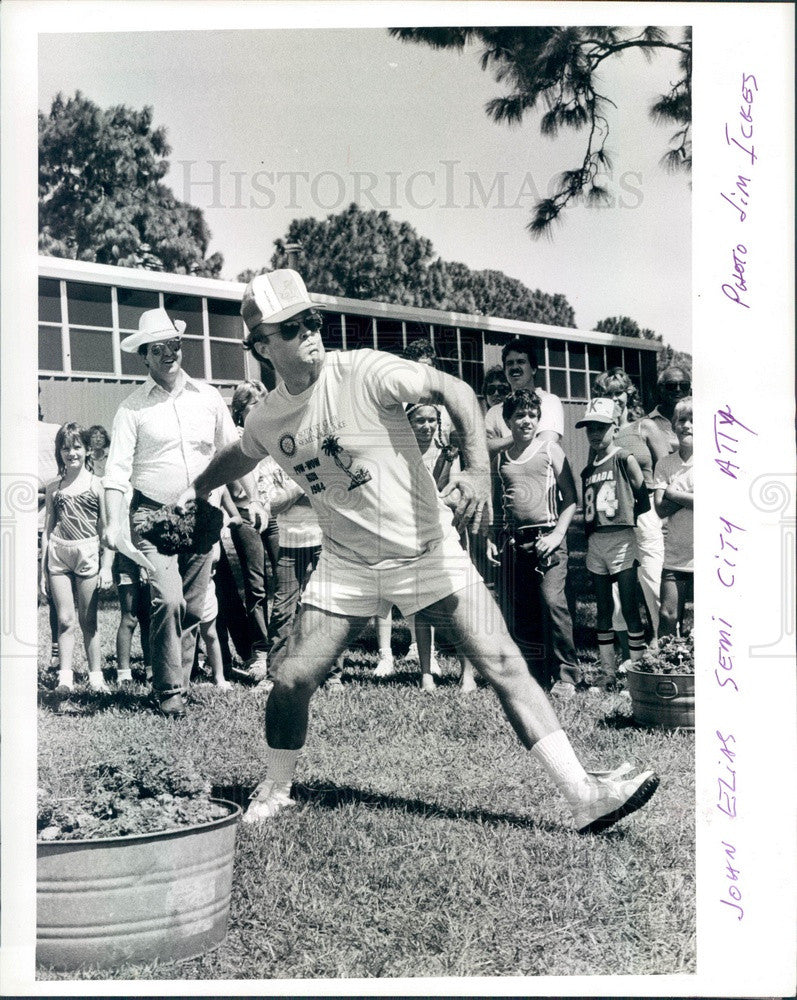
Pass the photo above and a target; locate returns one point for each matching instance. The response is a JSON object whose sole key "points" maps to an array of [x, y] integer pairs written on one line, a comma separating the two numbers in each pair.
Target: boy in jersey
{"points": [[538, 500], [336, 424], [613, 486]]}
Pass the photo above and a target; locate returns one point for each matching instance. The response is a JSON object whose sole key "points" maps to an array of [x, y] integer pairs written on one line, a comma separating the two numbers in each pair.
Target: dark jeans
{"points": [[178, 588], [293, 571], [536, 611], [251, 557]]}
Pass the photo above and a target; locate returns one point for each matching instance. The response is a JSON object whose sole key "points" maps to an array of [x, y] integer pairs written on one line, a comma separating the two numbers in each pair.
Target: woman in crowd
{"points": [[495, 387], [100, 442], [646, 442]]}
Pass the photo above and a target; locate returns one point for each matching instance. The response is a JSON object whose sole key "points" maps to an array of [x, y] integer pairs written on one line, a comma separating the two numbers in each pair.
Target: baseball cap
{"points": [[275, 297], [599, 411]]}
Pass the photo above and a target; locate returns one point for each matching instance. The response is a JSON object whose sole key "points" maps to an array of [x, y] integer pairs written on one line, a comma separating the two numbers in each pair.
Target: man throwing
{"points": [[336, 424]]}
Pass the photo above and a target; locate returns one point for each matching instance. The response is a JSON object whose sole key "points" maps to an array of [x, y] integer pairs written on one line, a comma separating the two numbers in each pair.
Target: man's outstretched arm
{"points": [[225, 467]]}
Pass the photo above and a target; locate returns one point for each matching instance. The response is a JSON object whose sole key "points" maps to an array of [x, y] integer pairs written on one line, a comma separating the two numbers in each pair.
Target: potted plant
{"points": [[662, 684], [134, 862]]}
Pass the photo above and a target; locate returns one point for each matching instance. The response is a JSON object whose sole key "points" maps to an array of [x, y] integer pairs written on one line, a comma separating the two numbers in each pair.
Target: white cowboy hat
{"points": [[275, 297], [153, 325]]}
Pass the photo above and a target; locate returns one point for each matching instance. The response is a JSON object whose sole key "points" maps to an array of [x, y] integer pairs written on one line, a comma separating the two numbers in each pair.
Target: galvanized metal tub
{"points": [[164, 896], [666, 701]]}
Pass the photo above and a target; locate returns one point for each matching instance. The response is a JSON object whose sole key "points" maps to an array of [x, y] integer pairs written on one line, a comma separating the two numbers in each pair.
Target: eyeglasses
{"points": [[290, 329], [172, 346], [497, 389], [682, 386]]}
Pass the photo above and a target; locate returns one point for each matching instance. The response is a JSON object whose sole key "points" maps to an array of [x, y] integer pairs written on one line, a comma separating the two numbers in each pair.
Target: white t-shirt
{"points": [[347, 441], [552, 417], [679, 545]]}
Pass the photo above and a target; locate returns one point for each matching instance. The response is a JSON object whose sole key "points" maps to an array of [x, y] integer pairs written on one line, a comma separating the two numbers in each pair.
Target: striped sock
{"points": [[636, 644]]}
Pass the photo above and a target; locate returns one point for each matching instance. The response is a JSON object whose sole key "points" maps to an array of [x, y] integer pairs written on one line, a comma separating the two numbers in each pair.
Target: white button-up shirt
{"points": [[162, 440]]}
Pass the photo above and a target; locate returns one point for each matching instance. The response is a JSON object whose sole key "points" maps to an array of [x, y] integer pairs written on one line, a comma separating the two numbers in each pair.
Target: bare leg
{"points": [[127, 626], [424, 639], [64, 600], [87, 597], [210, 637], [384, 630], [318, 638]]}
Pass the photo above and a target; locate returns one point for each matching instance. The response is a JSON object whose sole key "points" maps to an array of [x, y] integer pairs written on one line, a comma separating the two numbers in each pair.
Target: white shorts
{"points": [[79, 556], [610, 552], [357, 590]]}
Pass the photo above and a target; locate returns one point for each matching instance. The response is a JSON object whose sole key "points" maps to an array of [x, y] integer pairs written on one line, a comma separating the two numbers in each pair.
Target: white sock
{"points": [[66, 677], [558, 758], [124, 675], [281, 765], [385, 653], [96, 679]]}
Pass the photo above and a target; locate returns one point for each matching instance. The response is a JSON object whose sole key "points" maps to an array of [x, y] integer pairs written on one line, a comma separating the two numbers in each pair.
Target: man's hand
{"points": [[472, 505], [106, 579], [258, 515], [110, 536], [546, 544], [186, 497]]}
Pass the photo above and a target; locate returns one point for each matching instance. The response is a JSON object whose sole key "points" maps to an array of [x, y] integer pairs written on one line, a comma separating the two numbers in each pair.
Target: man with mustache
{"points": [[520, 368]]}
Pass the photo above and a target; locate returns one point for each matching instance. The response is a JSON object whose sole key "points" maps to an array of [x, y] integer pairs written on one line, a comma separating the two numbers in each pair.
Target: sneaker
{"points": [[412, 652], [386, 666], [266, 801], [65, 683], [97, 682], [428, 683], [124, 677], [611, 796], [434, 666]]}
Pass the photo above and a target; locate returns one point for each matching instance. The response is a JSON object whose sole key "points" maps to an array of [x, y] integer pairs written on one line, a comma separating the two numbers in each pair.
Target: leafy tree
{"points": [[368, 255], [359, 254], [101, 197], [558, 68], [669, 357], [624, 326]]}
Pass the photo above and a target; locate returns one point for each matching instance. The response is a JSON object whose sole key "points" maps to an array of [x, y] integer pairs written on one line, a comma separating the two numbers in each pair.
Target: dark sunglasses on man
{"points": [[290, 328], [679, 386], [172, 346]]}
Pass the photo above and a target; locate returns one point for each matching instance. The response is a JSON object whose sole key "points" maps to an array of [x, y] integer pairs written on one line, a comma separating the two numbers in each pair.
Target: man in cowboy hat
{"points": [[336, 424], [164, 435]]}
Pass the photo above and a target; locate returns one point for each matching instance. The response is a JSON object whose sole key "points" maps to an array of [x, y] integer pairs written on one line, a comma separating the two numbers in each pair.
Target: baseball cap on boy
{"points": [[599, 411], [274, 297]]}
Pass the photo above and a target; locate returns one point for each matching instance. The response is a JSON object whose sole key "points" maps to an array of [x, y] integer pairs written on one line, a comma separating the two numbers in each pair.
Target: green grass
{"points": [[426, 841]]}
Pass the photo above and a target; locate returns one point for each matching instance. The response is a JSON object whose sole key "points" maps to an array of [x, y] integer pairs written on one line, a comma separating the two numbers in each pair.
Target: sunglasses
{"points": [[496, 389], [172, 346], [683, 386], [290, 329]]}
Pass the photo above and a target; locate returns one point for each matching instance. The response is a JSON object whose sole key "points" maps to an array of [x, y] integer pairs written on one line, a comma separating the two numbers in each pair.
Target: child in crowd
{"points": [[674, 499], [538, 498], [132, 589], [71, 566], [438, 458], [207, 628], [614, 494]]}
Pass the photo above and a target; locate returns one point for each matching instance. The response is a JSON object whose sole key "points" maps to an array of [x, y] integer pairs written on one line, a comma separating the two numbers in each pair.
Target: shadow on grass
{"points": [[329, 796], [88, 702]]}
